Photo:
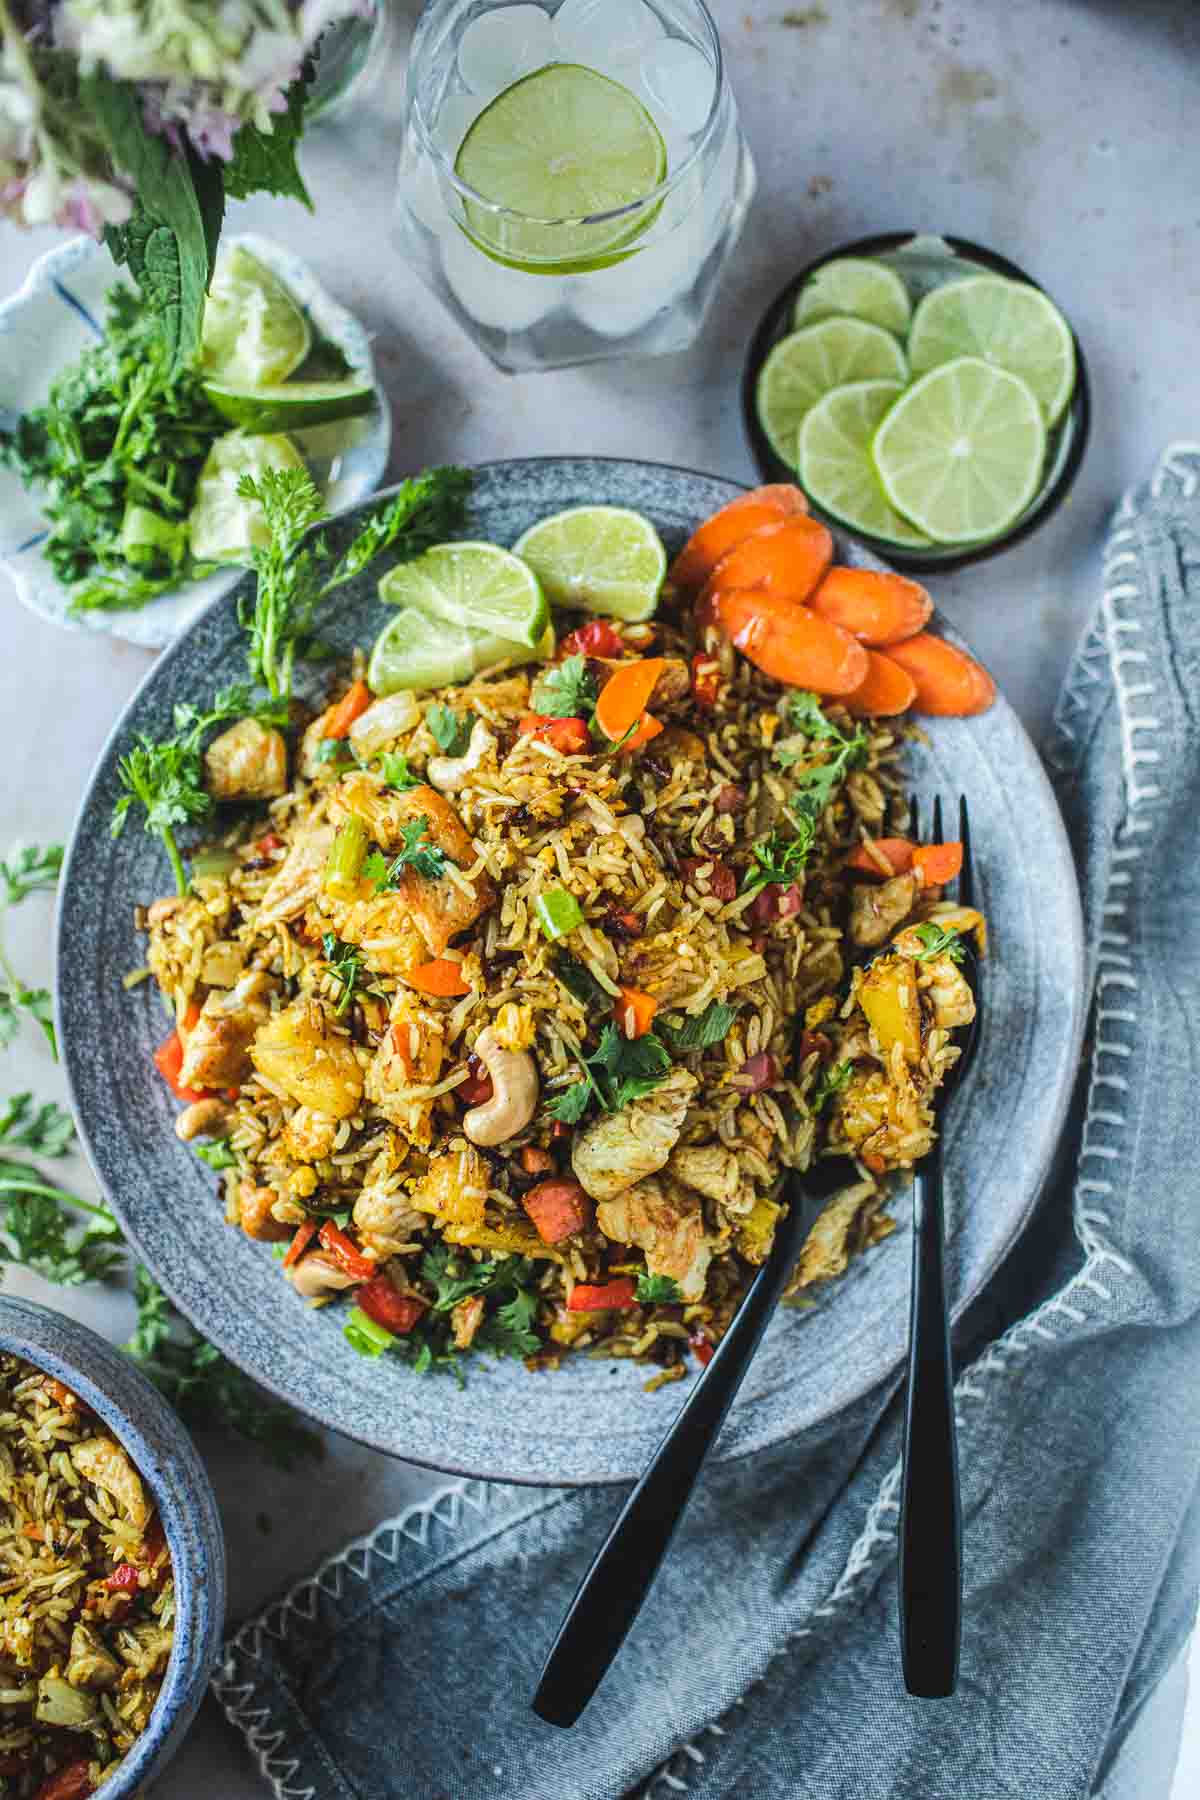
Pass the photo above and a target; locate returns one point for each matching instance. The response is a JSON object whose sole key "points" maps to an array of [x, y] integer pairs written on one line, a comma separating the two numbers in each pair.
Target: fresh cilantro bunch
{"points": [[36, 1230], [619, 1071], [507, 1284], [938, 940], [818, 783], [29, 869], [417, 852]]}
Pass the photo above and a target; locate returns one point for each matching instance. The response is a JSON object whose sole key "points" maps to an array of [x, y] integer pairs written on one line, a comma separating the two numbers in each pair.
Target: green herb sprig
{"points": [[345, 965], [831, 1083], [658, 1290], [565, 692], [937, 940], [417, 852], [29, 869], [619, 1071]]}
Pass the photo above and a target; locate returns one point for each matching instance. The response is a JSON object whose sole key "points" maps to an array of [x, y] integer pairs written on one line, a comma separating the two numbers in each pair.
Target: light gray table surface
{"points": [[1060, 132]]}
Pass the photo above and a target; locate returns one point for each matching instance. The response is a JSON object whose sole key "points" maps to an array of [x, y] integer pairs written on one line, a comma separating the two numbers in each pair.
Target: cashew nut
{"points": [[514, 1092], [316, 1276], [450, 772], [384, 721], [204, 1118], [158, 910]]}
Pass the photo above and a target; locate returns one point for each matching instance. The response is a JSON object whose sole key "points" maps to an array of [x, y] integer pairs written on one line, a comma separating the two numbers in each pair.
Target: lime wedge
{"points": [[855, 286], [813, 360], [418, 650], [1007, 323], [291, 405], [224, 527], [478, 586], [254, 334], [835, 460], [554, 150], [603, 558], [961, 453]]}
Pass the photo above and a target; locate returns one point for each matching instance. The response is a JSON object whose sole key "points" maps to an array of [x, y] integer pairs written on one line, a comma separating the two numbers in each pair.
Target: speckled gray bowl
{"points": [[591, 1421], [136, 1414]]}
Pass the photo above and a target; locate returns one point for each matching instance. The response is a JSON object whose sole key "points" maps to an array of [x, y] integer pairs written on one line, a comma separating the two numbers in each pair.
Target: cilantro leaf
{"points": [[702, 1030], [939, 941], [565, 692], [28, 870], [38, 1232], [345, 965], [393, 766], [452, 733], [832, 1081], [778, 859], [417, 852], [424, 511], [571, 1104], [658, 1290], [278, 615], [818, 783], [509, 1330], [265, 161], [46, 1130]]}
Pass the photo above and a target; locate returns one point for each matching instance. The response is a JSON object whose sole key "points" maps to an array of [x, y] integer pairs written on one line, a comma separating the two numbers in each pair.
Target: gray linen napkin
{"points": [[765, 1661]]}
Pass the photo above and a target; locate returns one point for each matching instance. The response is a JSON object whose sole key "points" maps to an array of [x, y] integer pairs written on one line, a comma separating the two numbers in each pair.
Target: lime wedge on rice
{"points": [[478, 586], [555, 150], [807, 364], [1008, 323], [605, 559], [419, 651], [222, 525], [291, 405], [961, 453], [859, 288], [836, 469], [254, 334]]}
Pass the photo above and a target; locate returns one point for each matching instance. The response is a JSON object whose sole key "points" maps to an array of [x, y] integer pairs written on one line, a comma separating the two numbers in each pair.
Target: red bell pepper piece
{"points": [[570, 737], [168, 1059], [611, 1296], [123, 1580], [395, 1312], [344, 1252], [304, 1236], [72, 1783], [702, 1347], [596, 638]]}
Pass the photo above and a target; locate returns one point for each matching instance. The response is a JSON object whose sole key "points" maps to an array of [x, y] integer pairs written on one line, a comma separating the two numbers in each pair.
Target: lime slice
{"points": [[476, 585], [291, 405], [254, 334], [1007, 323], [855, 286], [418, 650], [813, 360], [603, 558], [961, 453], [835, 460], [556, 149], [224, 527]]}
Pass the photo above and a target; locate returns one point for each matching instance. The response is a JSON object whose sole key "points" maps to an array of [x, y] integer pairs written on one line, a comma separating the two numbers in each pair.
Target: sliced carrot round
{"points": [[879, 608], [626, 694], [442, 977], [710, 541], [896, 852], [791, 644], [938, 863], [886, 690], [950, 684], [788, 559]]}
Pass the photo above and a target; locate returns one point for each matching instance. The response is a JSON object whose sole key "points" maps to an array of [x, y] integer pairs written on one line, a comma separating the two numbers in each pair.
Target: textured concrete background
{"points": [[1060, 132]]}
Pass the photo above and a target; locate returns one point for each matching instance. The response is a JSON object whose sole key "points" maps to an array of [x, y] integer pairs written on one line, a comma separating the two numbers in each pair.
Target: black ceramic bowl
{"points": [[924, 262]]}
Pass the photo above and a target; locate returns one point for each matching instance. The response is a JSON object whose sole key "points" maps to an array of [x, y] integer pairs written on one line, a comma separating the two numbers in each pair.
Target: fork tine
{"points": [[914, 817], [937, 819], [966, 880]]}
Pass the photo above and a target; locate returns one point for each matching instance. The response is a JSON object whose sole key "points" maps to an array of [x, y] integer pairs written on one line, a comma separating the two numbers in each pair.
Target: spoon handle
{"points": [[611, 1594], [930, 1513]]}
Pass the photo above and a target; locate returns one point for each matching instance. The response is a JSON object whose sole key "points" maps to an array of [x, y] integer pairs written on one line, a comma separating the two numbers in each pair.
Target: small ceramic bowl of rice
{"points": [[112, 1566]]}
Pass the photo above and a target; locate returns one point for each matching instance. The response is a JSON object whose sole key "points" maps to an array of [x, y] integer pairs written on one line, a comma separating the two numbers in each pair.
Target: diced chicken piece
{"points": [[385, 1221], [383, 722], [622, 1148], [309, 1136], [466, 1318], [302, 1051], [831, 1242], [216, 1051], [382, 926], [438, 906], [297, 881], [246, 762], [454, 1188], [876, 911], [90, 1665], [256, 1218], [949, 994], [667, 1222], [711, 1169], [410, 1055], [101, 1460]]}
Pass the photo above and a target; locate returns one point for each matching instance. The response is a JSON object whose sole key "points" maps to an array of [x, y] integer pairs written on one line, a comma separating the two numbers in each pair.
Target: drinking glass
{"points": [[537, 292]]}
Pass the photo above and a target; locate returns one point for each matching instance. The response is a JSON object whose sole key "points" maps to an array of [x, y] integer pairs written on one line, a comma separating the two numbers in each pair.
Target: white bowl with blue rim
{"points": [[56, 314], [137, 1415]]}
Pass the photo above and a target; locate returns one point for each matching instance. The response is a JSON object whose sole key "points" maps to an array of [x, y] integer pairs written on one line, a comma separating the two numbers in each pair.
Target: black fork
{"points": [[930, 1509]]}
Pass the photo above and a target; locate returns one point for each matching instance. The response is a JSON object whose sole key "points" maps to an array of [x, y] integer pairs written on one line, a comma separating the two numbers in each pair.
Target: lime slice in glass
{"points": [[418, 650], [857, 287], [554, 150], [223, 527], [836, 469], [961, 453], [254, 334], [476, 585], [291, 405], [1007, 323], [811, 361], [605, 559]]}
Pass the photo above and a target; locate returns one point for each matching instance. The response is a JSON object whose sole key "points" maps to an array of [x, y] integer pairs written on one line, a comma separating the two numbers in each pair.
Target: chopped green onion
{"points": [[559, 912], [213, 865], [347, 854], [365, 1336]]}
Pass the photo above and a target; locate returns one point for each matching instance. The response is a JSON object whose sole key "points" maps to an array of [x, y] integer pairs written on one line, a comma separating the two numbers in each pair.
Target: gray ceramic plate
{"points": [[591, 1421]]}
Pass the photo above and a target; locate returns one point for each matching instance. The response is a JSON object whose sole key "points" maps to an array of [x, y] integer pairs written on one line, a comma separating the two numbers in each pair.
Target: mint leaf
{"points": [[264, 162]]}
